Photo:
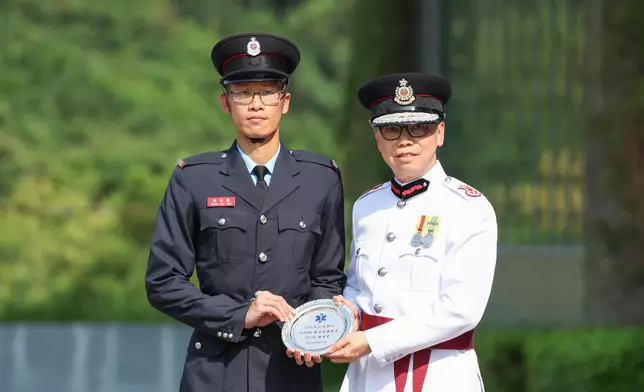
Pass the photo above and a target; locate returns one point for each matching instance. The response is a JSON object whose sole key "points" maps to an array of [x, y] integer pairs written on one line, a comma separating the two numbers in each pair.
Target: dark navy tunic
{"points": [[292, 244]]}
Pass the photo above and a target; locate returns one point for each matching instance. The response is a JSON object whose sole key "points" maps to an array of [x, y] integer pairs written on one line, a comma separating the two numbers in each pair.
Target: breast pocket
{"points": [[223, 234], [298, 233], [360, 260], [423, 266]]}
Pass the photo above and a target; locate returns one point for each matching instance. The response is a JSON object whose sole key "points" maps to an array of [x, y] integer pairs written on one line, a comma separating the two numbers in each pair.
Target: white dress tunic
{"points": [[434, 293]]}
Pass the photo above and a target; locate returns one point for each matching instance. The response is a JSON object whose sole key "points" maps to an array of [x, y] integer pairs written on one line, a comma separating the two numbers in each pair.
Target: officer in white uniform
{"points": [[423, 254]]}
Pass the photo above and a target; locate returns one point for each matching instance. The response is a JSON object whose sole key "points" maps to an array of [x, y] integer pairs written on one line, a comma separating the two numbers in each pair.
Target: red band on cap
{"points": [[246, 54], [391, 96]]}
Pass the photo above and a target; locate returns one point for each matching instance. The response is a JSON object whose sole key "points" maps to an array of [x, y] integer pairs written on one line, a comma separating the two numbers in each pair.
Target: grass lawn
{"points": [[332, 375]]}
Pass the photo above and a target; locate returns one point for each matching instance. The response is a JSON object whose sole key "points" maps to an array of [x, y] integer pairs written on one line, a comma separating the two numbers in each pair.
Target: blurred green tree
{"points": [[385, 39], [615, 169], [98, 100]]}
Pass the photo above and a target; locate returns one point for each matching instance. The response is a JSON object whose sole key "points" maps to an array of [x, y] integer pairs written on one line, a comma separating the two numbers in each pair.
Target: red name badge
{"points": [[221, 202]]}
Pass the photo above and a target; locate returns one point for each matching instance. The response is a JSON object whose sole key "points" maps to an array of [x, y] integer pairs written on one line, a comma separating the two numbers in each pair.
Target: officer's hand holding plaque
{"points": [[318, 325]]}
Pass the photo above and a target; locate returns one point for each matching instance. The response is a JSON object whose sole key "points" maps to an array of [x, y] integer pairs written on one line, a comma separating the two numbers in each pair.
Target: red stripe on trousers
{"points": [[421, 358]]}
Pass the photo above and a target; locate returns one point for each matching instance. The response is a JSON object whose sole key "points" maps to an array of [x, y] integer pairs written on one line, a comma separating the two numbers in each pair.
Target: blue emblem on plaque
{"points": [[317, 325]]}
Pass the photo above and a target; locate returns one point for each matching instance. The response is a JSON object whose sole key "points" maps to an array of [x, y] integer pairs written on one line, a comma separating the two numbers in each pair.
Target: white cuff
{"points": [[374, 339]]}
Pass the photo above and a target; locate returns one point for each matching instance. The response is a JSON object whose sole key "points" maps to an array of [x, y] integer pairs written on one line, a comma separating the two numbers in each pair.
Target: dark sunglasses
{"points": [[393, 132]]}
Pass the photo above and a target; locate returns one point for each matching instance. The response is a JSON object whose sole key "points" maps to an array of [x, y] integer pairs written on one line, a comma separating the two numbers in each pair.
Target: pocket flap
{"points": [[361, 250], [223, 219], [435, 251], [205, 344], [303, 221]]}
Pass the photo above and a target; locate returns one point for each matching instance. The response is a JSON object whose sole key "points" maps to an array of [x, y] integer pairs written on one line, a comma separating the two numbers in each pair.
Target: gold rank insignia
{"points": [[426, 231]]}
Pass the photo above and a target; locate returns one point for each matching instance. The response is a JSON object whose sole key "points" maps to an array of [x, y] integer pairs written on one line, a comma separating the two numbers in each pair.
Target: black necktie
{"points": [[260, 172]]}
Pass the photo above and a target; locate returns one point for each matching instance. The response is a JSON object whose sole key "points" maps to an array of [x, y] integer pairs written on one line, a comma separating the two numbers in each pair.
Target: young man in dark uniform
{"points": [[262, 224]]}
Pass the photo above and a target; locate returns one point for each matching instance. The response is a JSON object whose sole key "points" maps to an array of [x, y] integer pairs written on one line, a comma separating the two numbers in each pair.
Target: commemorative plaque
{"points": [[317, 325]]}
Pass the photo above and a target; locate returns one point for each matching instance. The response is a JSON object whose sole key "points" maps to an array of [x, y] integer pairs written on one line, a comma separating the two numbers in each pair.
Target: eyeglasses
{"points": [[268, 97], [393, 132]]}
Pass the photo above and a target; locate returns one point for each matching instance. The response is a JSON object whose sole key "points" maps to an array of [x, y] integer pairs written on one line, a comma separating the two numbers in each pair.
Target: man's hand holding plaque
{"points": [[267, 308], [339, 299], [316, 327], [352, 346]]}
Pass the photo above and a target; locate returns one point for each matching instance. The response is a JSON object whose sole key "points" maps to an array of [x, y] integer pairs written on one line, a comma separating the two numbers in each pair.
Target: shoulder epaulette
{"points": [[309, 156], [202, 159], [461, 188], [370, 190]]}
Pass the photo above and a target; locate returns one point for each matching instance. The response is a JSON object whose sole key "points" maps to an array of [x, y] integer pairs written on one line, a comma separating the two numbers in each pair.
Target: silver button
{"points": [[263, 220], [417, 252], [377, 308], [382, 271], [224, 155], [302, 224], [222, 221], [219, 334], [257, 333], [263, 257], [401, 203], [230, 335], [198, 346], [448, 179], [391, 237]]}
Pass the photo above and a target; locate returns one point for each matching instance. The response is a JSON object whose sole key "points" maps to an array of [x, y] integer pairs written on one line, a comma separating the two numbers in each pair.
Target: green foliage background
{"points": [[98, 100]]}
